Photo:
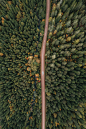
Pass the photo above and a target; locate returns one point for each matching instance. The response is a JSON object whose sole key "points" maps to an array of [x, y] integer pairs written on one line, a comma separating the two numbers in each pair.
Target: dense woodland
{"points": [[22, 25]]}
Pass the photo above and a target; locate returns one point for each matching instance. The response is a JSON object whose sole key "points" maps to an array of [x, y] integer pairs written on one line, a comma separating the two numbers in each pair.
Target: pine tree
{"points": [[18, 44], [21, 34], [67, 63]]}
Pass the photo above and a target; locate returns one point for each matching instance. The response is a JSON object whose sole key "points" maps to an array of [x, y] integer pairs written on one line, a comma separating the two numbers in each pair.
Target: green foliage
{"points": [[65, 64], [19, 37]]}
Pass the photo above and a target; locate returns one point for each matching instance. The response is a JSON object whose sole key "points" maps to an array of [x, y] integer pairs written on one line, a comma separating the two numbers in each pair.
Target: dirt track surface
{"points": [[42, 55]]}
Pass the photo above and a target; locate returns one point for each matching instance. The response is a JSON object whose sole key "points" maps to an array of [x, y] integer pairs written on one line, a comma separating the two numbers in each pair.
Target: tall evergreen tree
{"points": [[66, 66], [22, 25]]}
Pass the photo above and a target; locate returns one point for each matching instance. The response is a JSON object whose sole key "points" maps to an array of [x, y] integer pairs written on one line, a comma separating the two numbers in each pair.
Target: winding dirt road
{"points": [[42, 56]]}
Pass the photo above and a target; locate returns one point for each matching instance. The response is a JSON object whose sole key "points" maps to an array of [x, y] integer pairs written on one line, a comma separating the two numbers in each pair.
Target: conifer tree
{"points": [[21, 34], [65, 63], [22, 25]]}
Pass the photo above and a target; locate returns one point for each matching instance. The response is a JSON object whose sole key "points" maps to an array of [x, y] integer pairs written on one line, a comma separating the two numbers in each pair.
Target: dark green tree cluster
{"points": [[20, 36], [66, 66], [22, 25]]}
